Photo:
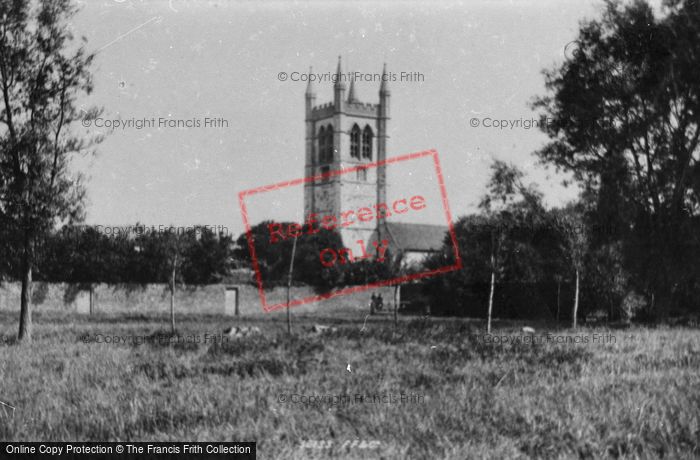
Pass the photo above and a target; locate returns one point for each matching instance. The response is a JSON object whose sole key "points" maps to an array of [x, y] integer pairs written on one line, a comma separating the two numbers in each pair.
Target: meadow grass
{"points": [[465, 396]]}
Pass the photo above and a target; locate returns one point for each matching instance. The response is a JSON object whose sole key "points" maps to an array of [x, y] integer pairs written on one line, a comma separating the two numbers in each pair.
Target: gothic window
{"points": [[321, 143], [325, 144], [324, 171], [367, 143], [329, 145], [355, 142], [362, 174]]}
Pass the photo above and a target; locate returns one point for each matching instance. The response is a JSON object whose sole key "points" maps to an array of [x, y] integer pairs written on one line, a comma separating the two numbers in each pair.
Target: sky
{"points": [[193, 60]]}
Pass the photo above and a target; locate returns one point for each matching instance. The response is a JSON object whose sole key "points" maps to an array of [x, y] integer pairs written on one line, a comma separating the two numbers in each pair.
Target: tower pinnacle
{"points": [[352, 97], [339, 83], [384, 87], [310, 87]]}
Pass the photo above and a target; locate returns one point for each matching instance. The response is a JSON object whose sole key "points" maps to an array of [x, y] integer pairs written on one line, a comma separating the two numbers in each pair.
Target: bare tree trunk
{"points": [[397, 301], [25, 315], [92, 299], [172, 299], [493, 282], [289, 286], [576, 298], [493, 287], [558, 299]]}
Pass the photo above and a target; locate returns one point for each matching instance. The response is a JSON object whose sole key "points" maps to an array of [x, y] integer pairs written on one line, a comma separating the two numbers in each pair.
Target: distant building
{"points": [[347, 133], [413, 243]]}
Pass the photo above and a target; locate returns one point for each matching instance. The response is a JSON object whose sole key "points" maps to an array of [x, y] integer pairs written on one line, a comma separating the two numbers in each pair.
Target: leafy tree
{"points": [[209, 259], [624, 120], [307, 264], [42, 72], [508, 242], [81, 255], [85, 254], [165, 253], [460, 291], [270, 256], [573, 244], [511, 207], [174, 246], [180, 255], [607, 278], [273, 258]]}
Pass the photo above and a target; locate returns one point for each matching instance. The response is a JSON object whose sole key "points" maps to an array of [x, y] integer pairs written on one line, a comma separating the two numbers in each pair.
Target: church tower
{"points": [[342, 134]]}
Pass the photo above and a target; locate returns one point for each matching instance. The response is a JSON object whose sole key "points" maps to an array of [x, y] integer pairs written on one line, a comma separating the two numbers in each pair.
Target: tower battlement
{"points": [[361, 108], [323, 110]]}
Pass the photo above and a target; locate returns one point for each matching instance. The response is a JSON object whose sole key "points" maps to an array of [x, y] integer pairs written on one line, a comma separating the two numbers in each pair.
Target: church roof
{"points": [[414, 237]]}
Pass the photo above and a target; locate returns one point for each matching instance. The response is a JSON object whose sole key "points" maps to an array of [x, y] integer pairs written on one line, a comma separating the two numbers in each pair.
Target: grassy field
{"points": [[442, 389]]}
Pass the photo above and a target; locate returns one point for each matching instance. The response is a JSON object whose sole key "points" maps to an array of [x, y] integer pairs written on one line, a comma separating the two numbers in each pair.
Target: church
{"points": [[347, 133]]}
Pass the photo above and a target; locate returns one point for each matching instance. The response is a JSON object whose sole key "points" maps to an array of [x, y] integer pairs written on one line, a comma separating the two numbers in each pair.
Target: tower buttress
{"points": [[338, 129], [384, 94], [382, 134], [310, 96]]}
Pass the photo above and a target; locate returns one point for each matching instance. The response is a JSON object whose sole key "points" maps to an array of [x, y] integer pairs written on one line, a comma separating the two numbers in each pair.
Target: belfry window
{"points": [[367, 143], [325, 144], [355, 142], [321, 143]]}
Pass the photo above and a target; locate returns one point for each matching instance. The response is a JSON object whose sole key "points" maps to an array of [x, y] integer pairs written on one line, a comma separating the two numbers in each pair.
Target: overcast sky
{"points": [[189, 60]]}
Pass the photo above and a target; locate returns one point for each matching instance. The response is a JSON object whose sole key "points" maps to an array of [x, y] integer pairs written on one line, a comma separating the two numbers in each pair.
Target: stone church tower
{"points": [[342, 134]]}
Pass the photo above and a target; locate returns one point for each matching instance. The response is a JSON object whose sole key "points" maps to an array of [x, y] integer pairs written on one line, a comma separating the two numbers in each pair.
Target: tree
{"points": [[164, 253], [209, 258], [573, 240], [135, 255], [175, 246], [607, 279], [623, 118], [273, 258], [391, 267], [462, 291], [41, 75], [81, 255], [289, 285], [510, 206]]}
